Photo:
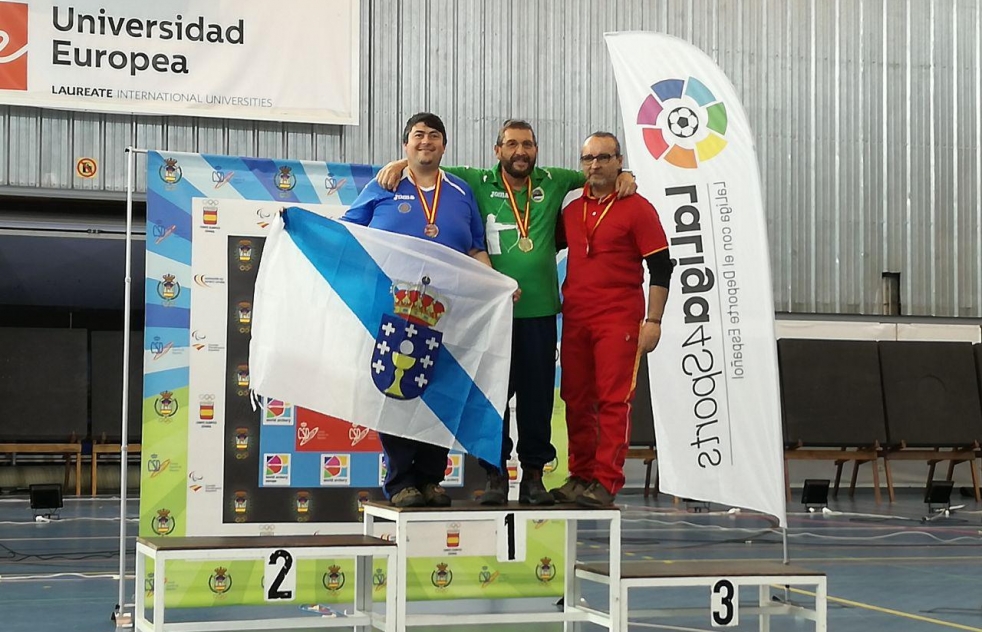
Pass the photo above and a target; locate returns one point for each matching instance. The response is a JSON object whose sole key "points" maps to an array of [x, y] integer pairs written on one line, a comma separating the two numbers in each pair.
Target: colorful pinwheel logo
{"points": [[682, 122]]}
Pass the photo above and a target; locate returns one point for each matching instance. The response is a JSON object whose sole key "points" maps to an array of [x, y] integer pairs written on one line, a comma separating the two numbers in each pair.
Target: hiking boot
{"points": [[408, 497], [596, 496], [435, 496], [571, 490], [531, 491], [496, 490]]}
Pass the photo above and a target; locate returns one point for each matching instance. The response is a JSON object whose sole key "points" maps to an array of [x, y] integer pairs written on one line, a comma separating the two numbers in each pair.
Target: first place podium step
{"points": [[510, 520]]}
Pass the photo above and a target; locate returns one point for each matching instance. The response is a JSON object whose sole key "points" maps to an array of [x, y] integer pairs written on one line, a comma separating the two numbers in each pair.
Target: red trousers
{"points": [[599, 367]]}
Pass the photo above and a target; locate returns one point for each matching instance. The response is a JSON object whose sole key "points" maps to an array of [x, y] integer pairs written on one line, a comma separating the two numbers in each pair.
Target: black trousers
{"points": [[411, 463], [532, 382]]}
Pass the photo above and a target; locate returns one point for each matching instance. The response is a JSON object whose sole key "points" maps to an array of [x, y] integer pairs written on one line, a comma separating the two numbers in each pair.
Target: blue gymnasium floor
{"points": [[887, 569]]}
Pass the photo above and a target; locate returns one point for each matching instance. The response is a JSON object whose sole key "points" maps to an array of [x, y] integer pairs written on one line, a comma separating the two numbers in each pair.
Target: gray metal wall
{"points": [[867, 114]]}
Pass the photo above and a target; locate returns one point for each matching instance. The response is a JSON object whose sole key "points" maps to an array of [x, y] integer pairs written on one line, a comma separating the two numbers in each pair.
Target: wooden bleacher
{"points": [[44, 387], [106, 349], [933, 411], [977, 347], [832, 400], [71, 450]]}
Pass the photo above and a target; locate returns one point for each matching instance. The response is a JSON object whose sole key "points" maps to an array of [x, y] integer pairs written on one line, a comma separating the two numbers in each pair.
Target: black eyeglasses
{"points": [[601, 158], [514, 144]]}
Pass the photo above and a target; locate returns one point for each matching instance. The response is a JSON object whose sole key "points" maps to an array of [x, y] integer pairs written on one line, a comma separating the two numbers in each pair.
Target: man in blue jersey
{"points": [[430, 204]]}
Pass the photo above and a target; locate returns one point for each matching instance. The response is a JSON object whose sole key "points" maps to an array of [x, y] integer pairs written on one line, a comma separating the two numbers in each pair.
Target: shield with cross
{"points": [[405, 356]]}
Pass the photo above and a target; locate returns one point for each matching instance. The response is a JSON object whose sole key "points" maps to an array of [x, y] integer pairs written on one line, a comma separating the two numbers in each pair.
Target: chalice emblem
{"points": [[408, 346]]}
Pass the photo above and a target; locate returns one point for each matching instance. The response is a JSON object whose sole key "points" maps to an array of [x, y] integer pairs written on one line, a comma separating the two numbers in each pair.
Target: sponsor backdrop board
{"points": [[239, 59], [218, 462]]}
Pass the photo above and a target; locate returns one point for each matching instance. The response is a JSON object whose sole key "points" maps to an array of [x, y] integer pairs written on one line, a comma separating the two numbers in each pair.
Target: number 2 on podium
{"points": [[280, 577]]}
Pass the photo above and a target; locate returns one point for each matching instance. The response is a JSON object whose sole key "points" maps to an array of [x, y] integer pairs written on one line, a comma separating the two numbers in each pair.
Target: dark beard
{"points": [[515, 173]]}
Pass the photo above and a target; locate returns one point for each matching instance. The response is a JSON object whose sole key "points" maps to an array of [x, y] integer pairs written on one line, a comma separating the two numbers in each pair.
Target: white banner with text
{"points": [[713, 378], [241, 59]]}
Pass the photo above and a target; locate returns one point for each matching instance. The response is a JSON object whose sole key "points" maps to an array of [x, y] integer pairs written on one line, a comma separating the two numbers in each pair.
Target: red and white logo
{"points": [[13, 46]]}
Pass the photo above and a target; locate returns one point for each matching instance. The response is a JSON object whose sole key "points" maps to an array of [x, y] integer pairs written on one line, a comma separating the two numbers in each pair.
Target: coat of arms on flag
{"points": [[407, 346]]}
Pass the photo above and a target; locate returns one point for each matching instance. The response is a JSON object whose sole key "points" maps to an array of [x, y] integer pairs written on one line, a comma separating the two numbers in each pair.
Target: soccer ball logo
{"points": [[682, 122]]}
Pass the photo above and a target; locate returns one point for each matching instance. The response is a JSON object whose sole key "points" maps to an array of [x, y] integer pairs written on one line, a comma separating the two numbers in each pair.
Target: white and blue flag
{"points": [[383, 330]]}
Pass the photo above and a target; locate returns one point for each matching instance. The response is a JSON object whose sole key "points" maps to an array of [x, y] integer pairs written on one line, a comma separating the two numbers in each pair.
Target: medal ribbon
{"points": [[429, 211], [521, 222], [586, 231]]}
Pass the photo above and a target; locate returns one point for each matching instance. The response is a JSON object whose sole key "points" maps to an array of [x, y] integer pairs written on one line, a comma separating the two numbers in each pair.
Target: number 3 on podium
{"points": [[725, 604]]}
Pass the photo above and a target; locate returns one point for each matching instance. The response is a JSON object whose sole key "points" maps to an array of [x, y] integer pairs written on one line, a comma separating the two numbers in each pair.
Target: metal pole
{"points": [[787, 588], [784, 537], [123, 456]]}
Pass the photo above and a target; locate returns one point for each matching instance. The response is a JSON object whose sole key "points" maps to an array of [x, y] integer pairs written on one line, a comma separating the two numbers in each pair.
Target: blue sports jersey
{"points": [[400, 211]]}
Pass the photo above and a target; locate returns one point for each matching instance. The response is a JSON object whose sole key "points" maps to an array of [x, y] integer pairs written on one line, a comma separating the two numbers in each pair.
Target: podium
{"points": [[505, 516], [280, 552]]}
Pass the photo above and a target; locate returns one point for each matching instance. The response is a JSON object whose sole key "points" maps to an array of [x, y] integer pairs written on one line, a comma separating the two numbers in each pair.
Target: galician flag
{"points": [[382, 330]]}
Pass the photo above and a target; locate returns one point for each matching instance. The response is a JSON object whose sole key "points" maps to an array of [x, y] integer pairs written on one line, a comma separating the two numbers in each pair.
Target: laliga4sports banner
{"points": [[714, 375], [243, 59]]}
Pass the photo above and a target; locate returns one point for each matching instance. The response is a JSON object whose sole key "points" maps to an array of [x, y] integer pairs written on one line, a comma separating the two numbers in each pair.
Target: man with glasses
{"points": [[606, 327], [520, 205]]}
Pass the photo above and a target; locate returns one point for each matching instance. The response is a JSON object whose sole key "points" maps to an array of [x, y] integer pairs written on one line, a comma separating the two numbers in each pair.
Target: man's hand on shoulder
{"points": [[626, 184], [390, 175]]}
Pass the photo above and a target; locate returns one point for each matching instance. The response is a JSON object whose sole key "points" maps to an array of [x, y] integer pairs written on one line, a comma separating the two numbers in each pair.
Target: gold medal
{"points": [[521, 222], [431, 230]]}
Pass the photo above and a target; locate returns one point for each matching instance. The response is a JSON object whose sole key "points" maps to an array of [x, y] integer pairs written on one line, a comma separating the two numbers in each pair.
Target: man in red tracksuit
{"points": [[606, 327]]}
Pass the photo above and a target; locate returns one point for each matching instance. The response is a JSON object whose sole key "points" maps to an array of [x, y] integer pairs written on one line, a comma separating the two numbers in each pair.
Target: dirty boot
{"points": [[496, 491], [531, 491]]}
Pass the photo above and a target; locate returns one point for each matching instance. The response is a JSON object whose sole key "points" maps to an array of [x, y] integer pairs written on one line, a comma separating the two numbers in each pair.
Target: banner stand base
{"points": [[124, 617]]}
